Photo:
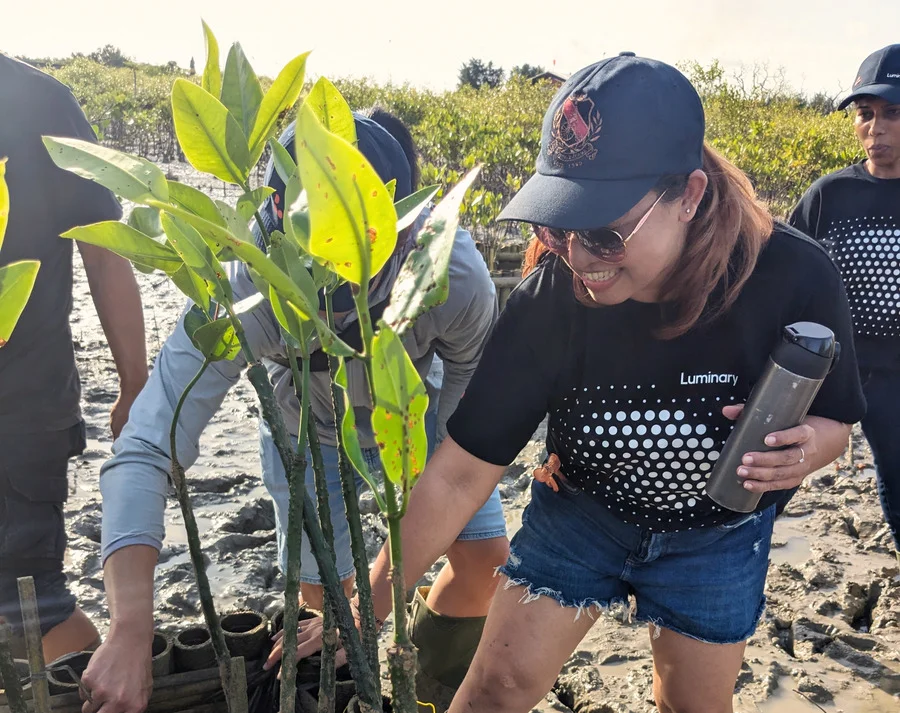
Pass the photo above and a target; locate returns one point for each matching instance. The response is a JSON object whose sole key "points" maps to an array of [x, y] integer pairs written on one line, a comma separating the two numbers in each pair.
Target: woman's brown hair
{"points": [[721, 247]]}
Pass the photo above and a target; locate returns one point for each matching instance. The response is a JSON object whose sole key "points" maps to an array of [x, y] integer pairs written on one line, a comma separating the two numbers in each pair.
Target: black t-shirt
{"points": [[39, 388], [856, 217], [636, 421]]}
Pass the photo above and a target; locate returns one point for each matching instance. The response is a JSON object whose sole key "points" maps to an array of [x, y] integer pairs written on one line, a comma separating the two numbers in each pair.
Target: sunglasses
{"points": [[603, 243]]}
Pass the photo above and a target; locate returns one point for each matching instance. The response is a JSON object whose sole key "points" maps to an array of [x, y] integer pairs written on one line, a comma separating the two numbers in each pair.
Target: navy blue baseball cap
{"points": [[878, 76], [612, 131]]}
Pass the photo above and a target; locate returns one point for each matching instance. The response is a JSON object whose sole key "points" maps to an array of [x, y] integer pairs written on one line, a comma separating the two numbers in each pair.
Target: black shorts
{"points": [[33, 490]]}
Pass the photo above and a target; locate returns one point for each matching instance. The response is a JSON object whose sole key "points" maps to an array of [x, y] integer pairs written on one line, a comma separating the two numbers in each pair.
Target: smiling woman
{"points": [[658, 298]]}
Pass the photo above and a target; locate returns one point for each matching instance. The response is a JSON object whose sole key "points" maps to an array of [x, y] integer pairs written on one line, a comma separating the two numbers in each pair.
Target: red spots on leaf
{"points": [[331, 163], [375, 193], [326, 195], [373, 235], [328, 240], [387, 417], [348, 264]]}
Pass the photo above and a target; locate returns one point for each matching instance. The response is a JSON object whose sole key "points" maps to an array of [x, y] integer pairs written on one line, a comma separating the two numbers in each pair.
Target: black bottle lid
{"points": [[807, 349]]}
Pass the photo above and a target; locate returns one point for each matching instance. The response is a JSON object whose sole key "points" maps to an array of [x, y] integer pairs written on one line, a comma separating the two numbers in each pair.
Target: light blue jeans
{"points": [[487, 523]]}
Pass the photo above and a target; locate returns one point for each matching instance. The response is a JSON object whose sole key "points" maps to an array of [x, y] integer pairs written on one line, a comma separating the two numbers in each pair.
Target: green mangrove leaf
{"points": [[217, 340], [249, 203], [145, 220], [195, 201], [285, 166], [332, 110], [297, 227], [211, 81], [4, 201], [291, 325], [400, 404], [16, 283], [131, 244], [268, 273], [409, 208], [282, 95], [350, 438], [392, 188], [298, 328], [352, 216], [291, 261], [210, 137], [129, 177], [198, 256], [236, 225], [191, 286], [241, 92], [195, 318], [423, 281], [331, 343], [323, 277]]}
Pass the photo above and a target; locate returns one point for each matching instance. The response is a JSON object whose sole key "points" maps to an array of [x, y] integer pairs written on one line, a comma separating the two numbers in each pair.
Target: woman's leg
{"points": [[690, 676], [522, 650]]}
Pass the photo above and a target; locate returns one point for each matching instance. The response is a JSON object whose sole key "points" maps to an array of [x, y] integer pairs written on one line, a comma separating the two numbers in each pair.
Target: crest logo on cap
{"points": [[858, 81], [576, 126]]}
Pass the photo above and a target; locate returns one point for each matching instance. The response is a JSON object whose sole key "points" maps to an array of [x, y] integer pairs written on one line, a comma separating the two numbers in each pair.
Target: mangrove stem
{"points": [[368, 626], [179, 480]]}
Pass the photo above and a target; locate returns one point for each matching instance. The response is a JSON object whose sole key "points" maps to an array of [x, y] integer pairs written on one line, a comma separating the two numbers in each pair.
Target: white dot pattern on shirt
{"points": [[648, 458], [867, 251]]}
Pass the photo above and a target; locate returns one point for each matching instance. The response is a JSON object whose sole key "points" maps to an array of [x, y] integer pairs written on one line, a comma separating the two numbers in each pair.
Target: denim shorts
{"points": [[488, 522], [705, 583], [33, 491]]}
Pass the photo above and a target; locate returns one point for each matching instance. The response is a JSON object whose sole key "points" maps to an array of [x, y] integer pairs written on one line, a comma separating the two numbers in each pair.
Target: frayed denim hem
{"points": [[618, 608], [486, 535], [658, 624]]}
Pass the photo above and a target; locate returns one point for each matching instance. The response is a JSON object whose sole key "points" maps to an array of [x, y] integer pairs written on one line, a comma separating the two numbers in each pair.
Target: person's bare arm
{"points": [[117, 298], [119, 674]]}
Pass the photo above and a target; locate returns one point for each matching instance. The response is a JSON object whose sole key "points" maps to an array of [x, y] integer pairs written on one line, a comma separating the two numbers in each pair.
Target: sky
{"points": [[818, 43]]}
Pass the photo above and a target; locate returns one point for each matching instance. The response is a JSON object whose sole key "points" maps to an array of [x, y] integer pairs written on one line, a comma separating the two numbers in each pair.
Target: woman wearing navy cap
{"points": [[855, 214], [659, 289]]}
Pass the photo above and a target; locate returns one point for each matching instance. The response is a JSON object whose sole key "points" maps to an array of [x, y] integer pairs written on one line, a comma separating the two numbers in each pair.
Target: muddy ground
{"points": [[830, 639]]}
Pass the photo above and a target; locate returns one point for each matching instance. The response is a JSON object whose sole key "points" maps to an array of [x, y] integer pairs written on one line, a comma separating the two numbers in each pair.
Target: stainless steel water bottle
{"points": [[779, 400]]}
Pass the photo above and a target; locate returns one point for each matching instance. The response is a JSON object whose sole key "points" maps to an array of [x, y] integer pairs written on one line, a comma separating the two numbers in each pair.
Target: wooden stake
{"points": [[238, 682], [32, 623], [9, 677]]}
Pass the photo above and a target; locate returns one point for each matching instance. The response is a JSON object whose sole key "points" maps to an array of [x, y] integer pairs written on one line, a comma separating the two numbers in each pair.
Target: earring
{"points": [[687, 210]]}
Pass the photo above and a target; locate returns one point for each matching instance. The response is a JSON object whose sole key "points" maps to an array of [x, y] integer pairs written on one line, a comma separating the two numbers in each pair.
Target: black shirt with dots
{"points": [[636, 421], [856, 217]]}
